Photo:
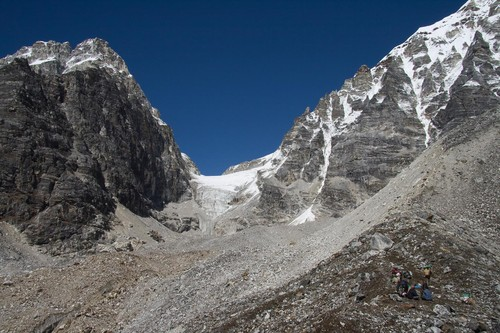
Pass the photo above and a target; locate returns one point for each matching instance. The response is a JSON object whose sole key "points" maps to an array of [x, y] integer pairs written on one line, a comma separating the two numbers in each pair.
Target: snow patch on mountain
{"points": [[91, 52], [306, 216], [156, 116], [74, 63], [41, 61], [442, 44]]}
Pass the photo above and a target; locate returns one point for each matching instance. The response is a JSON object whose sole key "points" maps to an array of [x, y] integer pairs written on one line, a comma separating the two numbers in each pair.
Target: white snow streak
{"points": [[306, 216], [41, 61], [442, 39]]}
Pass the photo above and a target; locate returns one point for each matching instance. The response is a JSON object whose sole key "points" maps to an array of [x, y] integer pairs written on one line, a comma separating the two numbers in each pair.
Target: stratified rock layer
{"points": [[77, 134]]}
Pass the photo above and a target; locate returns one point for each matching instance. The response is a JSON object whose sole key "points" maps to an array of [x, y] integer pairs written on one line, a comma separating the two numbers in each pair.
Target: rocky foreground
{"points": [[318, 277]]}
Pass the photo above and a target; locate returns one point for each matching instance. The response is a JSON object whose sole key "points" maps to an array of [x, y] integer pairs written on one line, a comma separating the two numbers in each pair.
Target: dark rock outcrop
{"points": [[78, 135]]}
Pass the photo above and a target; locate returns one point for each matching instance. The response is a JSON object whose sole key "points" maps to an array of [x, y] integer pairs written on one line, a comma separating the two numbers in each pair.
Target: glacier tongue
{"points": [[216, 194]]}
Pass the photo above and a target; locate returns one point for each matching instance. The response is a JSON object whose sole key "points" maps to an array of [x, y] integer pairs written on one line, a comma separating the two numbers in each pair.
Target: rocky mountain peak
{"points": [[95, 52], [58, 58], [360, 136]]}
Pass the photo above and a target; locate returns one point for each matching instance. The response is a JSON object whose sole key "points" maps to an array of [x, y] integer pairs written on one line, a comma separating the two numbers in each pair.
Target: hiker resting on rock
{"points": [[412, 293], [395, 275], [402, 287]]}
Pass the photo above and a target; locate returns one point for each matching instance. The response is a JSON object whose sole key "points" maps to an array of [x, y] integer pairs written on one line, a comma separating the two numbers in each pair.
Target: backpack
{"points": [[427, 295], [407, 274], [404, 285]]}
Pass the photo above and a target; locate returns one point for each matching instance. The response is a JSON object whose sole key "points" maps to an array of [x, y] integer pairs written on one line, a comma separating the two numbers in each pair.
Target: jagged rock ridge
{"points": [[361, 136], [78, 135]]}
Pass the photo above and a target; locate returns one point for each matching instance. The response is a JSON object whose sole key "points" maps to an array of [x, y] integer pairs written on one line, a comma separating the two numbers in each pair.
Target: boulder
{"points": [[441, 310], [380, 242]]}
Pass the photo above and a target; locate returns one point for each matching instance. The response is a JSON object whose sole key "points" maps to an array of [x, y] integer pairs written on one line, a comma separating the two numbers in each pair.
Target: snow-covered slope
{"points": [[217, 195], [435, 54], [361, 136]]}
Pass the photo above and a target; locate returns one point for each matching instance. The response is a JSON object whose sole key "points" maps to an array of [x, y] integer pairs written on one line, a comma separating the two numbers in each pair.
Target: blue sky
{"points": [[229, 77]]}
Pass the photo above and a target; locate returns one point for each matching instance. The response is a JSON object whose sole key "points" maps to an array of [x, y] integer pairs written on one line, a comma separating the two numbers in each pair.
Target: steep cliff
{"points": [[78, 135], [361, 136]]}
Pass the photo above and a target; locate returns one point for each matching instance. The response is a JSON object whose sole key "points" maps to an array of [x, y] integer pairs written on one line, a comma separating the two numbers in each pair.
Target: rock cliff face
{"points": [[77, 135], [361, 136]]}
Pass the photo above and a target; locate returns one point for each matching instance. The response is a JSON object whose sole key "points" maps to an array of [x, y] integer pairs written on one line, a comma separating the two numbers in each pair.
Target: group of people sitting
{"points": [[415, 291]]}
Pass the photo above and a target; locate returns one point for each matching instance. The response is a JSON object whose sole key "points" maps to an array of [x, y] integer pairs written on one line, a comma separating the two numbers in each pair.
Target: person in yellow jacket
{"points": [[427, 272]]}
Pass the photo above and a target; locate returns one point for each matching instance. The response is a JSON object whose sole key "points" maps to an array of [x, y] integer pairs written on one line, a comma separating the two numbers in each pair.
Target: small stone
{"points": [[8, 283], [369, 254], [360, 297], [365, 277], [462, 320], [438, 322], [477, 326], [408, 306], [355, 244], [375, 300], [396, 297], [123, 246], [434, 329], [446, 270]]}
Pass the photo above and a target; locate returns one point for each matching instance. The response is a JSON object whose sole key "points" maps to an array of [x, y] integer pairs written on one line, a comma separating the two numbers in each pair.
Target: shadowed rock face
{"points": [[73, 143]]}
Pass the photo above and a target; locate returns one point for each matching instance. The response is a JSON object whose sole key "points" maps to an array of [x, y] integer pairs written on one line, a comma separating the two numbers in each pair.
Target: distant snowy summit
{"points": [[58, 58], [362, 135]]}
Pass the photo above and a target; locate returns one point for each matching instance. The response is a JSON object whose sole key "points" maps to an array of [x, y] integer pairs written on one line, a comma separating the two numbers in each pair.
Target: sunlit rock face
{"points": [[361, 136]]}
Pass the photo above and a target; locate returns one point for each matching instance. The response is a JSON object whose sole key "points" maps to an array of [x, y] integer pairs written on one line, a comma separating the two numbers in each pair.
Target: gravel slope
{"points": [[242, 282]]}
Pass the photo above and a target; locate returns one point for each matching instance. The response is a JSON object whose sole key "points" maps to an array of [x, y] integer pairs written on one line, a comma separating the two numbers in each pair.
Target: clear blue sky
{"points": [[229, 76]]}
